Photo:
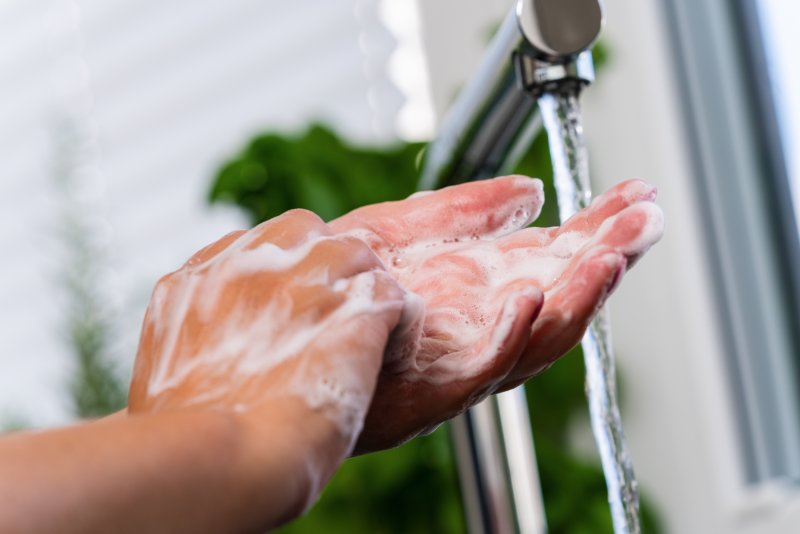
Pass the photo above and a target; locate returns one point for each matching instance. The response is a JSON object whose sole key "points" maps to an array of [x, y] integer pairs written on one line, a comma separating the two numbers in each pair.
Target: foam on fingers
{"points": [[478, 209], [610, 203], [340, 381], [254, 322], [597, 274], [512, 203], [514, 322], [464, 277], [633, 230]]}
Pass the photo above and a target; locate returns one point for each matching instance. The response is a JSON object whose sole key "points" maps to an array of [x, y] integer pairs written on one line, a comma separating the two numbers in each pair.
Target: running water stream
{"points": [[562, 120]]}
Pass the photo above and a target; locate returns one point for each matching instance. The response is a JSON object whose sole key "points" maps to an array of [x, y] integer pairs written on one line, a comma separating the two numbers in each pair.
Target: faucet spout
{"points": [[524, 60], [558, 29], [557, 37]]}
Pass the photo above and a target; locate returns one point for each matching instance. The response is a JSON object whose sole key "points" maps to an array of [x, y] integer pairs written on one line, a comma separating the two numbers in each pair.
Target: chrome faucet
{"points": [[556, 39], [542, 46]]}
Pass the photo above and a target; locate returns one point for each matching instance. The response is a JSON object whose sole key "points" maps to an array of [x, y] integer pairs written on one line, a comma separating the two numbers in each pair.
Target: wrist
{"points": [[286, 442]]}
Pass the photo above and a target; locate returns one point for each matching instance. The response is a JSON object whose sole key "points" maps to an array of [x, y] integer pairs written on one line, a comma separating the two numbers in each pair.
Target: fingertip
{"points": [[516, 201], [530, 299], [648, 219], [636, 190], [404, 341], [533, 185], [610, 204], [374, 298], [633, 230]]}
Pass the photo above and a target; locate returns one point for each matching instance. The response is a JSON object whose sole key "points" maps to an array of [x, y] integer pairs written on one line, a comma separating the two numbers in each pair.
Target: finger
{"points": [[347, 357], [467, 381], [528, 238], [143, 365], [639, 228], [437, 394], [163, 321], [404, 341], [632, 231], [610, 203], [318, 279], [210, 251], [568, 310], [374, 301], [476, 209]]}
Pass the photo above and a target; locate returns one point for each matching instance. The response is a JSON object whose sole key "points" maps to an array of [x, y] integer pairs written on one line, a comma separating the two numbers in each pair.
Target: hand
{"points": [[285, 320], [481, 281]]}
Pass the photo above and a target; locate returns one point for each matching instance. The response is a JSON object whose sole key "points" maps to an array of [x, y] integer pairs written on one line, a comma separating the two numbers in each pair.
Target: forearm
{"points": [[179, 472]]}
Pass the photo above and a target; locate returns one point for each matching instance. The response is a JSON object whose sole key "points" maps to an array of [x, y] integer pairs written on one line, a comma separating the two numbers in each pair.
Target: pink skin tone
{"points": [[501, 302], [284, 311], [257, 363], [274, 353], [264, 314]]}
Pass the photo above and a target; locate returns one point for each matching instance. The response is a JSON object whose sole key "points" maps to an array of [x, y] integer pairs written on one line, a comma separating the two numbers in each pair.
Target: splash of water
{"points": [[562, 120]]}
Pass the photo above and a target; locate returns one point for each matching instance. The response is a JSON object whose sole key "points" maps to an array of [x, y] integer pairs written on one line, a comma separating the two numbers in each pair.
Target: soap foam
{"points": [[262, 339], [464, 283]]}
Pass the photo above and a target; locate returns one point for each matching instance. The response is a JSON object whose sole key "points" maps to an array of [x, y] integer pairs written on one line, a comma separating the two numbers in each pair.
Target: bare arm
{"points": [[256, 366], [172, 472], [259, 359]]}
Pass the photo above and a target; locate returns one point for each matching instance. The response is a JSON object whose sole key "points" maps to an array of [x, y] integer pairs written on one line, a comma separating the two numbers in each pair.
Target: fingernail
{"points": [[641, 190]]}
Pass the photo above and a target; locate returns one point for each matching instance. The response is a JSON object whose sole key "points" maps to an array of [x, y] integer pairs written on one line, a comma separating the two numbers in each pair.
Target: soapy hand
{"points": [[491, 302], [259, 357], [283, 318]]}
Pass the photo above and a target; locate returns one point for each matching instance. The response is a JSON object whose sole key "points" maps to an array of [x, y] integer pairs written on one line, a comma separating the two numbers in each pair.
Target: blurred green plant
{"points": [[414, 488], [411, 489], [314, 170], [96, 388], [12, 422]]}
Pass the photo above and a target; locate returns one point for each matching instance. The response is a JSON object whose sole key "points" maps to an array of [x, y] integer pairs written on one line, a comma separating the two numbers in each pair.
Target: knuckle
{"points": [[305, 218], [350, 250], [167, 280], [355, 245]]}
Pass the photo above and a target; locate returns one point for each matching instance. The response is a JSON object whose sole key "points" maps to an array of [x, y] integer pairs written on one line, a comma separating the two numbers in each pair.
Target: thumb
{"points": [[477, 209], [347, 357]]}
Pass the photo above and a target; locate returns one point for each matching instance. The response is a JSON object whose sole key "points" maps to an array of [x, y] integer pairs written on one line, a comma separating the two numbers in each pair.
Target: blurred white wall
{"points": [[164, 91]]}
